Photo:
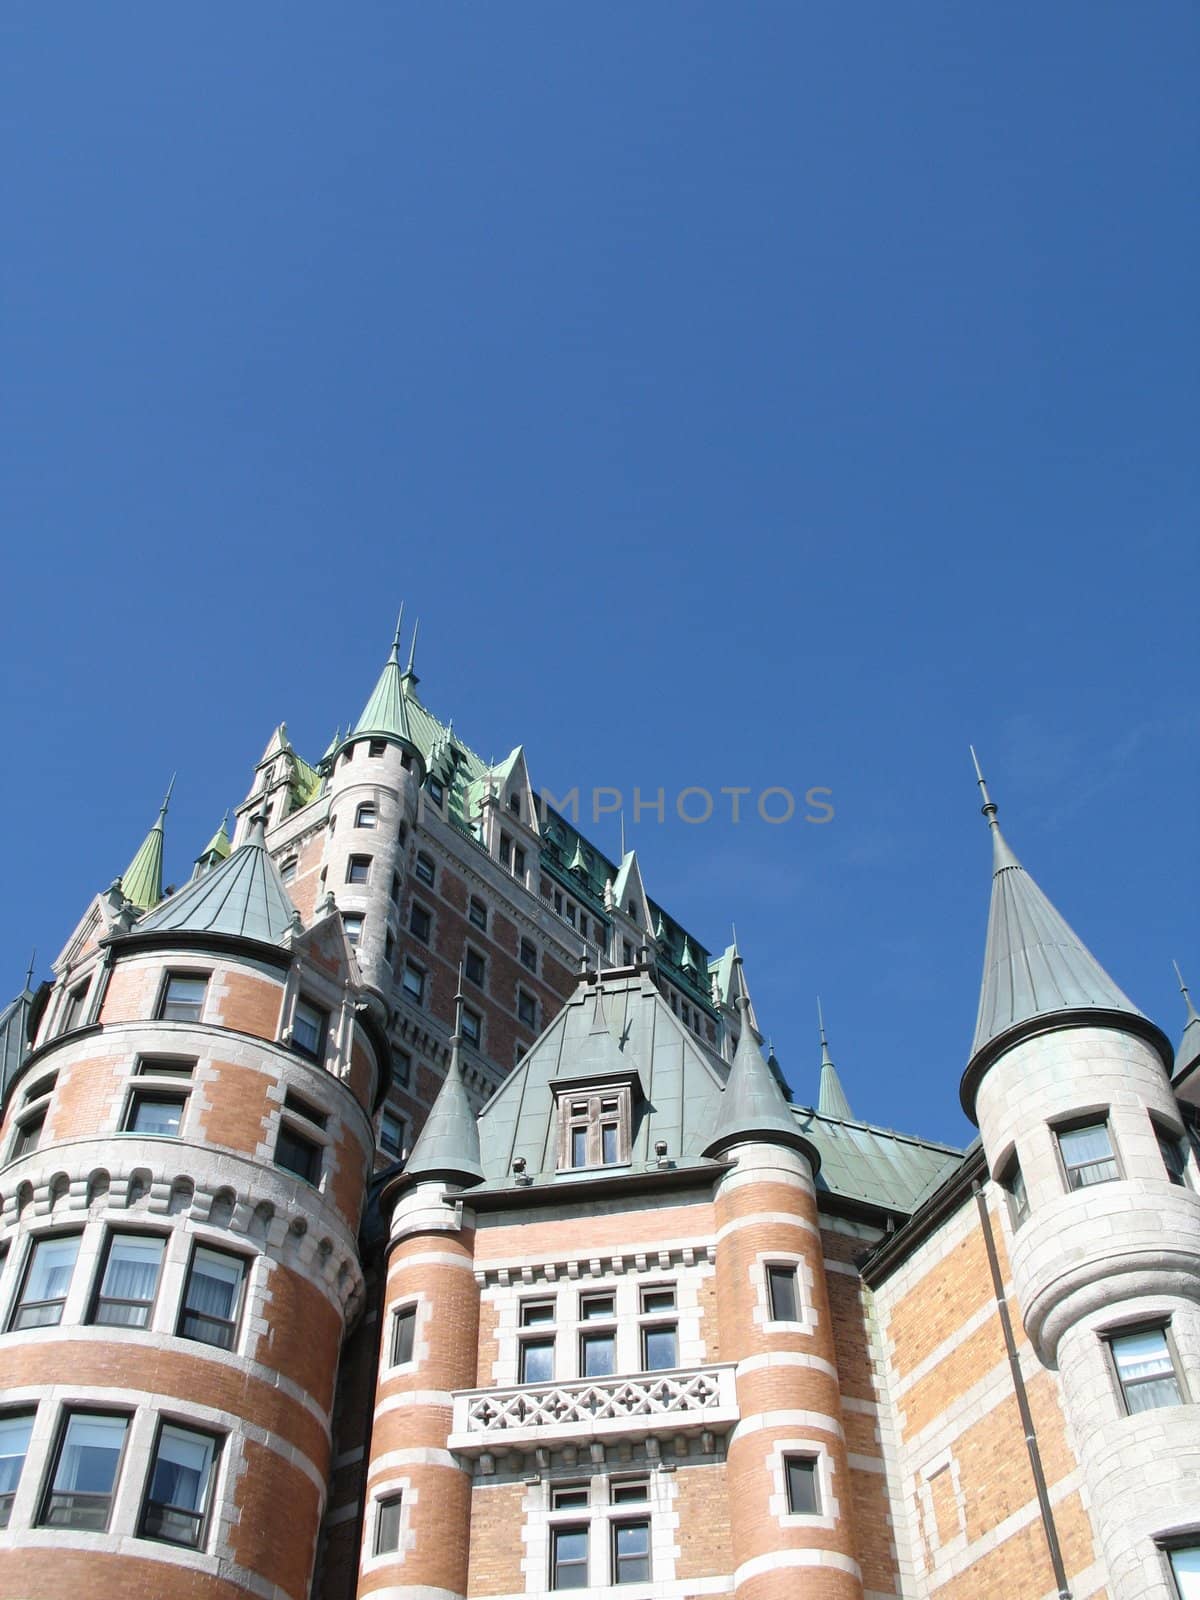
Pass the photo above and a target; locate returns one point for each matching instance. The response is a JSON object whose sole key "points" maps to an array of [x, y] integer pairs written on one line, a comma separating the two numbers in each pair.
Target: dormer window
{"points": [[595, 1126]]}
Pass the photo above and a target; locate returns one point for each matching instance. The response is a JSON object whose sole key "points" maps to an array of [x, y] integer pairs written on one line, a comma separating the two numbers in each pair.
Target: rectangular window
{"points": [[73, 1009], [387, 1524], [310, 1026], [352, 921], [472, 1026], [1087, 1155], [535, 1313], [302, 1108], [183, 997], [85, 1472], [419, 923], [15, 1428], [475, 968], [413, 983], [660, 1340], [165, 1067], [1013, 1182], [1174, 1155], [477, 914], [626, 953], [29, 1134], [358, 869], [630, 1491], [1145, 1369], [129, 1281], [803, 1489], [568, 1558], [437, 791], [529, 954], [297, 1154], [597, 1354], [526, 1009], [424, 868], [394, 890], [401, 1065], [47, 1280], [536, 1361], [608, 1143], [579, 1147], [180, 1478], [518, 862], [365, 816], [404, 1327], [568, 1496], [40, 1089], [155, 1114], [505, 851], [287, 871], [782, 1290], [631, 1552], [376, 747], [212, 1299], [391, 1133]]}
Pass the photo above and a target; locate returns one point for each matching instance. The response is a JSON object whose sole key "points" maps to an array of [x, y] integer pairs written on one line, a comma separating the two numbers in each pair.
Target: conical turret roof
{"points": [[243, 897], [832, 1101], [141, 882], [386, 712], [1035, 965], [448, 1144], [753, 1105], [1188, 1055]]}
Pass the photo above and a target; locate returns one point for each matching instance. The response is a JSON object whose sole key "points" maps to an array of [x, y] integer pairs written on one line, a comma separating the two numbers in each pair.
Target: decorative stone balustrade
{"points": [[679, 1402]]}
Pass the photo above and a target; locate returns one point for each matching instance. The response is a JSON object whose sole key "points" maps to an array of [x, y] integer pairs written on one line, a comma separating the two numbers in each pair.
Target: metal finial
{"points": [[409, 671], [396, 640], [989, 807], [1184, 991], [825, 1060], [30, 967], [162, 810], [733, 930], [459, 998]]}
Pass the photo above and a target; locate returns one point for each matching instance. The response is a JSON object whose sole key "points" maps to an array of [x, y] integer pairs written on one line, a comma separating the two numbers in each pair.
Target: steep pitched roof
{"points": [[753, 1105], [141, 882], [1188, 1054], [244, 897], [14, 1036], [448, 1144], [386, 712], [832, 1101]]}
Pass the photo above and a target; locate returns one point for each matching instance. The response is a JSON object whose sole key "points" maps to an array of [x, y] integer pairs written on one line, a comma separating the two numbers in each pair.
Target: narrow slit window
{"points": [[803, 1487], [404, 1328], [783, 1291]]}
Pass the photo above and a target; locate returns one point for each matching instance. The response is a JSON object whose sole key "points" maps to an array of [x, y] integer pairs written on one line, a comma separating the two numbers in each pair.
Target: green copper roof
{"points": [[141, 882], [244, 897], [386, 712], [875, 1166], [832, 1101], [1034, 965], [753, 1105], [218, 845], [448, 1144]]}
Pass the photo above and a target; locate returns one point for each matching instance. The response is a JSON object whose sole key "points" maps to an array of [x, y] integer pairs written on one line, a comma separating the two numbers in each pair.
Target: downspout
{"points": [[1018, 1382]]}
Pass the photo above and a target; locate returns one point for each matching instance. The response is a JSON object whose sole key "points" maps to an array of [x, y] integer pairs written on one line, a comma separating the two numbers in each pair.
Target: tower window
{"points": [[212, 1298], [85, 1472], [366, 816], [287, 871], [73, 1009], [352, 922], [1185, 1569], [376, 747], [310, 1026], [1145, 1368], [15, 1428], [1174, 1154], [183, 997], [1087, 1154], [1013, 1183], [29, 1134], [158, 1115], [178, 1492], [358, 869], [130, 1280], [783, 1293], [424, 868], [514, 804], [387, 1524], [404, 1328], [803, 1486], [47, 1281], [595, 1129], [297, 1154], [437, 791]]}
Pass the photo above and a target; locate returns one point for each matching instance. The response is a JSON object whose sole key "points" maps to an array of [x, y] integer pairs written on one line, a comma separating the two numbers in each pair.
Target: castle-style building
{"points": [[405, 1208]]}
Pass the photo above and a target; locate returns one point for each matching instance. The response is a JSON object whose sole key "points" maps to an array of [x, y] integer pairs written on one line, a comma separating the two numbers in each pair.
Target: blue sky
{"points": [[760, 395]]}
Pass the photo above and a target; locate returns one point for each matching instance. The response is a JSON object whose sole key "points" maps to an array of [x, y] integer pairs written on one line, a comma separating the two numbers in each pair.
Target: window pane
{"points": [[1174, 1156], [596, 1305], [782, 1284], [537, 1311], [579, 1147], [130, 1280], [569, 1560], [660, 1350], [630, 1490], [87, 1468], [183, 998], [160, 1117], [1185, 1564], [1146, 1370], [391, 1133], [297, 1154], [405, 1328], [631, 1551], [387, 1525], [802, 1485], [178, 1493], [537, 1361], [608, 1144], [598, 1352], [47, 1282], [212, 1299], [14, 1441], [1087, 1154], [658, 1299], [308, 1028]]}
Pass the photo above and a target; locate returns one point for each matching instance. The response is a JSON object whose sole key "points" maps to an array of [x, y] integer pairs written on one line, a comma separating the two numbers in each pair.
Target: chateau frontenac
{"points": [[405, 1207]]}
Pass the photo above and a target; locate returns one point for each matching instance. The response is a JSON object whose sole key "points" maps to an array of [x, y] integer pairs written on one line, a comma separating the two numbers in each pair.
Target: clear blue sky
{"points": [[762, 394]]}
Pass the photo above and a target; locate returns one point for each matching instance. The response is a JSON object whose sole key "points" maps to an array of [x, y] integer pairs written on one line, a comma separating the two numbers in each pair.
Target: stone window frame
{"points": [[776, 1465], [1096, 1116], [806, 1321], [249, 1262], [1144, 1324], [944, 1461], [600, 1516], [409, 1303], [386, 1488]]}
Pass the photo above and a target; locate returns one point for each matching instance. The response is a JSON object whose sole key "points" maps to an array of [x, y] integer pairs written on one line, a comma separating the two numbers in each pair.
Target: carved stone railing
{"points": [[682, 1401]]}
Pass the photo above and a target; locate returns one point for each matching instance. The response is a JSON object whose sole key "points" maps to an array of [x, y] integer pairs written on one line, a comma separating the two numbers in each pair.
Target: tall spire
{"points": [[1035, 965], [448, 1144], [753, 1106], [141, 882], [832, 1101], [410, 671], [386, 713], [1188, 1054]]}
